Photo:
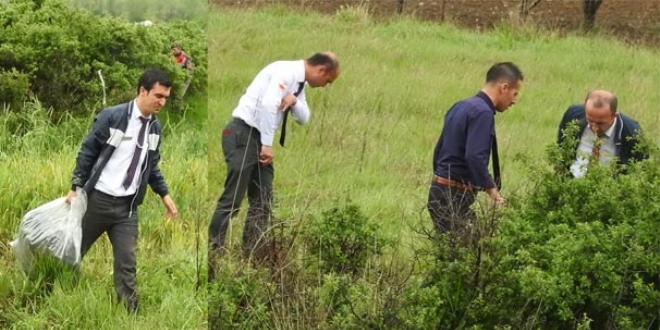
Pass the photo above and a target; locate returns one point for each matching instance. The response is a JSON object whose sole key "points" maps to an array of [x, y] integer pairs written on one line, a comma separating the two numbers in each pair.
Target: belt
{"points": [[119, 198], [241, 122], [452, 183]]}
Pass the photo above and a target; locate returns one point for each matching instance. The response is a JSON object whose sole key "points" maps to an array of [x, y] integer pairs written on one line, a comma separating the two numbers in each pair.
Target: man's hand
{"points": [[171, 208], [70, 196], [494, 194], [288, 100], [266, 155]]}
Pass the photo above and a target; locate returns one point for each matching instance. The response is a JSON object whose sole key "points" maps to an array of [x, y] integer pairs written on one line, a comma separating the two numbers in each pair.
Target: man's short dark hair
{"points": [[504, 71], [331, 64], [150, 77]]}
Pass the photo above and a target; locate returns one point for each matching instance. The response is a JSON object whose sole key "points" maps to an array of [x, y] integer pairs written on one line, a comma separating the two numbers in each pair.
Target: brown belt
{"points": [[452, 183]]}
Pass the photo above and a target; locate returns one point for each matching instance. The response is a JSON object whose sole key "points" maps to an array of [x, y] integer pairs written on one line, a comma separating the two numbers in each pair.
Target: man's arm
{"points": [[89, 152], [477, 148], [159, 186], [156, 180], [91, 148], [190, 66], [270, 114], [477, 153], [300, 110]]}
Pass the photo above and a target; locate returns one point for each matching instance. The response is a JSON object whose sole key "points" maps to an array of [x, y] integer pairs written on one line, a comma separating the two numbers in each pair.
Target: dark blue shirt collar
{"points": [[488, 101]]}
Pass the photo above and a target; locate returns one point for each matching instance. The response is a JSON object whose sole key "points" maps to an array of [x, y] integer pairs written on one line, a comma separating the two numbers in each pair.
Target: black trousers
{"points": [[450, 208], [112, 215], [241, 145]]}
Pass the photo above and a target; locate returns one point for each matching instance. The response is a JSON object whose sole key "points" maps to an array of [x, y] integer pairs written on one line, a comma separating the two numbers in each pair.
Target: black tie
{"points": [[496, 163], [136, 154], [301, 85]]}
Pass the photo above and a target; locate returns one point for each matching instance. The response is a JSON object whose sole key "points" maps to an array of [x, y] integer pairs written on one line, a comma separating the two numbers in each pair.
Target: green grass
{"points": [[37, 169], [371, 134]]}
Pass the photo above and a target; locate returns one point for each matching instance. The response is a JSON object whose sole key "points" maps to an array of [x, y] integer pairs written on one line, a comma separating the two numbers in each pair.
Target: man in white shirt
{"points": [[612, 136], [247, 143], [117, 160]]}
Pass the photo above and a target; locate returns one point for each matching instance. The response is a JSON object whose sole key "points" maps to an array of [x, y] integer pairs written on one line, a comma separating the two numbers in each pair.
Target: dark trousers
{"points": [[450, 208], [241, 145], [107, 214]]}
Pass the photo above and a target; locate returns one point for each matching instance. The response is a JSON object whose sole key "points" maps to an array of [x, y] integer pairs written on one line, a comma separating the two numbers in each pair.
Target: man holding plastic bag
{"points": [[52, 229], [117, 159]]}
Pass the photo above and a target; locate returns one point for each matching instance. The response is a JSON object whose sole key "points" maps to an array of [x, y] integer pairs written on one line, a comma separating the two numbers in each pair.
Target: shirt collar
{"points": [[486, 99], [136, 112], [300, 71], [609, 131]]}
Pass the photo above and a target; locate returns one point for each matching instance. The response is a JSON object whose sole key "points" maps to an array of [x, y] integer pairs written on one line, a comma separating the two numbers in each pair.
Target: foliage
{"points": [[343, 240], [239, 298], [60, 50], [586, 248], [154, 10], [14, 86]]}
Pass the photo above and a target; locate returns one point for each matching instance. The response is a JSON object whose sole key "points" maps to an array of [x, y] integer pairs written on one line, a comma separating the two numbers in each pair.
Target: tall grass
{"points": [[371, 134], [38, 158]]}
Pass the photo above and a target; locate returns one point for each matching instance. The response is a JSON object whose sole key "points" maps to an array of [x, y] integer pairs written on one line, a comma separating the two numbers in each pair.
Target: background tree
{"points": [[589, 8], [526, 6]]}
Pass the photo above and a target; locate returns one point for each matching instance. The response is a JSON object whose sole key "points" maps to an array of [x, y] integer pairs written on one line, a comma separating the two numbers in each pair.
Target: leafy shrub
{"points": [[580, 251], [239, 298], [14, 86], [60, 50], [343, 239]]}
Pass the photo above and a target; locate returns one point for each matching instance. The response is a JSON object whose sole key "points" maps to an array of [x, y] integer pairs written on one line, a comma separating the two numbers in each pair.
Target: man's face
{"points": [[321, 76], [176, 51], [151, 101], [599, 119], [508, 95]]}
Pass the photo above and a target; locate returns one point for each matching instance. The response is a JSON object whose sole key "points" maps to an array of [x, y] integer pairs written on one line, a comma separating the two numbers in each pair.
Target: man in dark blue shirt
{"points": [[460, 159]]}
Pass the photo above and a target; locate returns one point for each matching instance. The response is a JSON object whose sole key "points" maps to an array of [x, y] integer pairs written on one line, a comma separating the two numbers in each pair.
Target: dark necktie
{"points": [[496, 163], [130, 175], [301, 85], [595, 150]]}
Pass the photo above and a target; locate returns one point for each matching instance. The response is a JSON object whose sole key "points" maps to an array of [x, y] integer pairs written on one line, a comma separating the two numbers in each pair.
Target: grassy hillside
{"points": [[370, 142], [371, 134]]}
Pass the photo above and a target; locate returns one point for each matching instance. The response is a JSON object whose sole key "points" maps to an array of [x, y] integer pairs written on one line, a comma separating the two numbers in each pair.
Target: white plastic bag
{"points": [[54, 228]]}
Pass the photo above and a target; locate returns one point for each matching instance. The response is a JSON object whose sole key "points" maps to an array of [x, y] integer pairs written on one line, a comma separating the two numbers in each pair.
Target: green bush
{"points": [[14, 87], [343, 239], [239, 298], [60, 51], [578, 250]]}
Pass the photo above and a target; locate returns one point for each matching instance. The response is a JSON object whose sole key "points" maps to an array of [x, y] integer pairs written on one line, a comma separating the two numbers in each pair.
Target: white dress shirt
{"points": [[607, 150], [258, 107], [114, 172]]}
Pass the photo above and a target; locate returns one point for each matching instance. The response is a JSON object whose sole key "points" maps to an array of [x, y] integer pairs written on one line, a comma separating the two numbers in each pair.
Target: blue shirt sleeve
{"points": [[477, 147]]}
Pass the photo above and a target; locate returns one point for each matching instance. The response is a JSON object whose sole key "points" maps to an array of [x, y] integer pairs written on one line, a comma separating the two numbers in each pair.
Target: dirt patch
{"points": [[631, 20]]}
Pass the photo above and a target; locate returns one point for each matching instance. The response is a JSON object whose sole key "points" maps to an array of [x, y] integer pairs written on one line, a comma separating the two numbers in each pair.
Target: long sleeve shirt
{"points": [[463, 150], [259, 106]]}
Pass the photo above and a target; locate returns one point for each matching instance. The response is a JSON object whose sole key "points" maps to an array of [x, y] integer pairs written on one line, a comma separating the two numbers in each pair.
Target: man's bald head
{"points": [[321, 69], [327, 59], [600, 110], [600, 99]]}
